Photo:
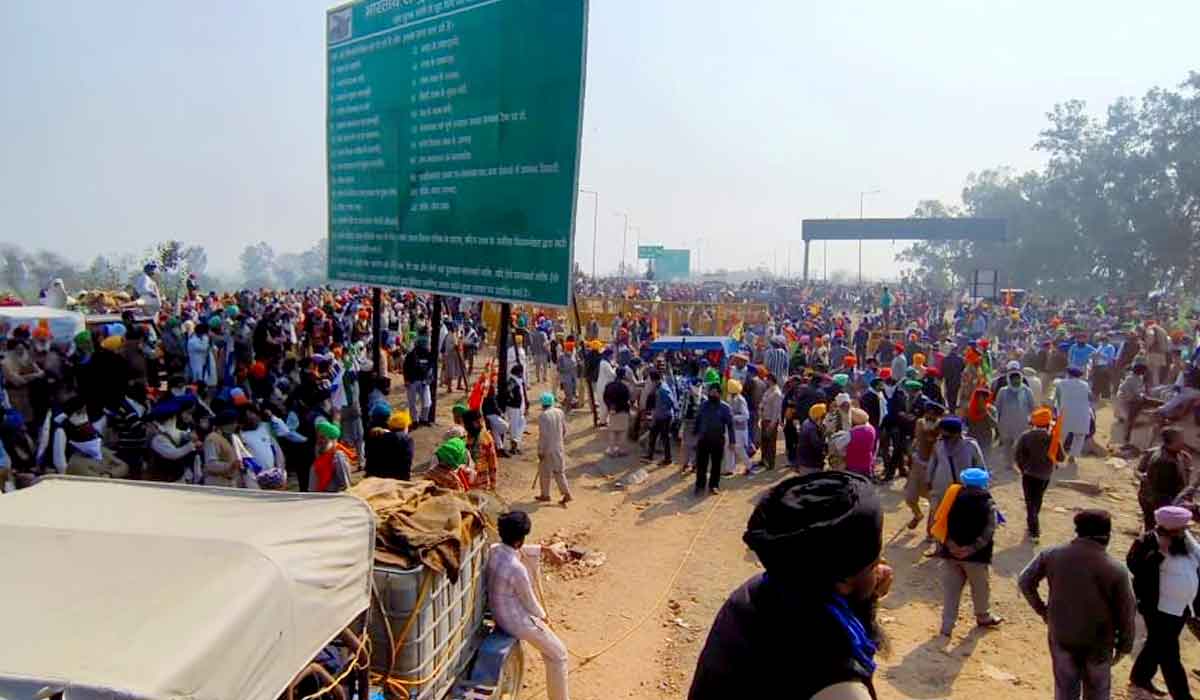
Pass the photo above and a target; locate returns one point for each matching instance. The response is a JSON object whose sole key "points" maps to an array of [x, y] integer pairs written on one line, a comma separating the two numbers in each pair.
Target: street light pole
{"points": [[861, 196], [595, 225], [624, 238]]}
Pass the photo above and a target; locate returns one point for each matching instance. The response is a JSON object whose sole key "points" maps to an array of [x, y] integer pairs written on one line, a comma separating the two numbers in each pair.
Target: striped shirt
{"points": [[777, 363]]}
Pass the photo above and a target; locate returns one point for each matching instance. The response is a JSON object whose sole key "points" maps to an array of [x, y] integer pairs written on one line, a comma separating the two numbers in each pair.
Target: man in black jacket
{"points": [[1090, 613], [1163, 601], [968, 551], [418, 364], [952, 370]]}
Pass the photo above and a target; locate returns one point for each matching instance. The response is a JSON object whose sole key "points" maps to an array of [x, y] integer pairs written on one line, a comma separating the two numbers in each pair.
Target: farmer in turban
{"points": [[552, 450], [1164, 564], [819, 537], [1032, 456], [967, 549], [330, 472]]}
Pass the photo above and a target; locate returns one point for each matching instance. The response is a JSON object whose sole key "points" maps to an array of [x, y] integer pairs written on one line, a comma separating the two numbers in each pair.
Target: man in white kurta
{"points": [[1072, 398]]}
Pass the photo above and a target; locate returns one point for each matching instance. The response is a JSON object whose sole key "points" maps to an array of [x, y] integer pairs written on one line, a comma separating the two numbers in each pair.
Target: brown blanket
{"points": [[420, 522]]}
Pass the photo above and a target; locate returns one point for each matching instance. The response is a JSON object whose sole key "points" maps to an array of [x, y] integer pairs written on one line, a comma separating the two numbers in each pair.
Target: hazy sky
{"points": [[125, 123]]}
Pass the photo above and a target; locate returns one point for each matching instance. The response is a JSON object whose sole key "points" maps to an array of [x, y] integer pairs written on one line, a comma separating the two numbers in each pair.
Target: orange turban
{"points": [[1041, 417]]}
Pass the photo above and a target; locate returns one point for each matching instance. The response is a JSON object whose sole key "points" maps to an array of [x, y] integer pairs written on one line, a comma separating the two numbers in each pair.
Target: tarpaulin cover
{"points": [[130, 590]]}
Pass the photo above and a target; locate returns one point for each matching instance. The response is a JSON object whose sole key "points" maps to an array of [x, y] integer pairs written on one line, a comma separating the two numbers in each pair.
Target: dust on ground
{"points": [[669, 560]]}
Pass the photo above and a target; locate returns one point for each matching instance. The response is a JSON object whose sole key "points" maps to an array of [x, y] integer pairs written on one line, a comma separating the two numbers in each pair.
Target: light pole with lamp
{"points": [[595, 225], [861, 196]]}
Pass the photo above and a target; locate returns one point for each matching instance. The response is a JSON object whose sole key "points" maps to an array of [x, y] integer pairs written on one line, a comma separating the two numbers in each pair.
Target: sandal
{"points": [[990, 621]]}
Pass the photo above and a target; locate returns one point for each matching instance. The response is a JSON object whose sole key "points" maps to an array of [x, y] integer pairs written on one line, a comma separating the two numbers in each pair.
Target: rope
{"points": [[585, 659], [363, 644]]}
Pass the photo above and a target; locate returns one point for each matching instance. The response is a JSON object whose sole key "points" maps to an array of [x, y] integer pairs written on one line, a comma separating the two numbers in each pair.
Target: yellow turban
{"points": [[399, 420], [112, 343], [734, 387], [817, 412]]}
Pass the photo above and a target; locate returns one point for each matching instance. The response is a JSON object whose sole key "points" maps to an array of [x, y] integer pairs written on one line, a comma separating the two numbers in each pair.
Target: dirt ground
{"points": [[670, 560]]}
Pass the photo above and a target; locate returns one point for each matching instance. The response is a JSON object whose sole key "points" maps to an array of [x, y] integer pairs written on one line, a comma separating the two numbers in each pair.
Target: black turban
{"points": [[821, 528], [1093, 523]]}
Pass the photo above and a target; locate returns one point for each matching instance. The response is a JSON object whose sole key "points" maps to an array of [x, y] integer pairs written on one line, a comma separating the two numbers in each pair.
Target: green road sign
{"points": [[649, 252], [673, 264], [453, 145]]}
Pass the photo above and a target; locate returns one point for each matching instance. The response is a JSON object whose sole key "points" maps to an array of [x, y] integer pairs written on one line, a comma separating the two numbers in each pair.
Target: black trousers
{"points": [[660, 427], [952, 389], [895, 461], [1162, 651], [791, 437], [709, 454], [1034, 490]]}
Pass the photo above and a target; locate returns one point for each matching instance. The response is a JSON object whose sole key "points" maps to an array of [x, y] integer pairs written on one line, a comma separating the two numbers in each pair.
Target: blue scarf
{"points": [[863, 649]]}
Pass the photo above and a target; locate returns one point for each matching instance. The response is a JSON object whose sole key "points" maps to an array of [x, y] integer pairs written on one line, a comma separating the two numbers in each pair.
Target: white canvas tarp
{"points": [[128, 590], [63, 324]]}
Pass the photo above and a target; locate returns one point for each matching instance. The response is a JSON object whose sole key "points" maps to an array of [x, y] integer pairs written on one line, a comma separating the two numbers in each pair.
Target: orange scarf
{"points": [[323, 465]]}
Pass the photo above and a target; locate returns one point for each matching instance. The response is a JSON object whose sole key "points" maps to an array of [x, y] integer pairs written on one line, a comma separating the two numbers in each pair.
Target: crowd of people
{"points": [[277, 389]]}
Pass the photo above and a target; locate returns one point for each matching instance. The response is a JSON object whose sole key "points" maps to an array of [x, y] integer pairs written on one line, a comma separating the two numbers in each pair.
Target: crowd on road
{"points": [[276, 389]]}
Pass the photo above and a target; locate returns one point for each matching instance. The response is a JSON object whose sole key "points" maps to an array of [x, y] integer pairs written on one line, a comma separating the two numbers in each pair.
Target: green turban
{"points": [[453, 452], [459, 408], [841, 379], [712, 376], [911, 384], [83, 341], [327, 430]]}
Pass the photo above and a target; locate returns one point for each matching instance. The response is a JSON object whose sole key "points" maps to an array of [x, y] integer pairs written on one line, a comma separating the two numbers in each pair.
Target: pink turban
{"points": [[1172, 517]]}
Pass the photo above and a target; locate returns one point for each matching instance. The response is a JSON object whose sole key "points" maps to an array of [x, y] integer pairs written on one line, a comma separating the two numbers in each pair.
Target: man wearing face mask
{"points": [[819, 537], [1014, 405], [1090, 611], [1164, 564]]}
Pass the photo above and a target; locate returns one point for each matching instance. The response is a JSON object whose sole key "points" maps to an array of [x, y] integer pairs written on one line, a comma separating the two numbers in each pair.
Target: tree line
{"points": [[1116, 207], [25, 273]]}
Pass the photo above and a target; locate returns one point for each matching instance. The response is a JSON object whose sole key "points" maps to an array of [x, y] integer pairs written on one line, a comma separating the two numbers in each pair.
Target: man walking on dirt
{"points": [[552, 450], [1090, 614]]}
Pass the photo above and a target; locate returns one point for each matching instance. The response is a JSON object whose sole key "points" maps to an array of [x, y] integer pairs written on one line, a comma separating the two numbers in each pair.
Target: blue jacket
{"points": [[664, 403], [1078, 355]]}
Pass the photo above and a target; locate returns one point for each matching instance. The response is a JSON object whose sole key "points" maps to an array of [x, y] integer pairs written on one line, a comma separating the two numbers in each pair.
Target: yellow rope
{"points": [[587, 658], [363, 644]]}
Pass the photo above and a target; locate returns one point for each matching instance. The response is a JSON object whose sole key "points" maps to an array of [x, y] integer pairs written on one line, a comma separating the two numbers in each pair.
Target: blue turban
{"points": [[975, 477]]}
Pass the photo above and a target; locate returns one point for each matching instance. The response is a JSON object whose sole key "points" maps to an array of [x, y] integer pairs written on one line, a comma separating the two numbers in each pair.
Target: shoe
{"points": [[647, 458], [1149, 688], [543, 499], [990, 621], [754, 470], [698, 491], [665, 463], [714, 491], [564, 501]]}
